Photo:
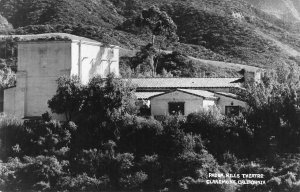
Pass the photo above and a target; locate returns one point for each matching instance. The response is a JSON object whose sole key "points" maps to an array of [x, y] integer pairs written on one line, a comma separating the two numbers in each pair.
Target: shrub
{"points": [[133, 181], [46, 137], [139, 135], [8, 173], [11, 133], [34, 173], [151, 165], [118, 169], [82, 183]]}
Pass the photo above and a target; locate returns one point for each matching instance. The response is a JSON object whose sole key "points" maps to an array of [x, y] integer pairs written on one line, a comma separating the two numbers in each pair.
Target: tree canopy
{"points": [[100, 98]]}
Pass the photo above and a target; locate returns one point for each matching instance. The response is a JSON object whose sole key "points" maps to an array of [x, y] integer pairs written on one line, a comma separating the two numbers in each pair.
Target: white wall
{"points": [[160, 104], [92, 59], [207, 104], [227, 101], [9, 101], [41, 63]]}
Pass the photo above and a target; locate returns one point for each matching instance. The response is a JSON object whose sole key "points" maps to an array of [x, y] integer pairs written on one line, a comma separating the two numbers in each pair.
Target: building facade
{"points": [[41, 61], [182, 101], [189, 95]]}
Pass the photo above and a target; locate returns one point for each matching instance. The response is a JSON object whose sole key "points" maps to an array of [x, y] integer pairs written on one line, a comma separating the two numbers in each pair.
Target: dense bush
{"points": [[11, 133], [36, 138], [139, 135], [221, 134], [81, 183], [31, 173]]}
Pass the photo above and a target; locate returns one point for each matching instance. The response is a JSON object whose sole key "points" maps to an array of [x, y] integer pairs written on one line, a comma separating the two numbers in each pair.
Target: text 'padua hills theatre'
{"points": [[43, 58]]}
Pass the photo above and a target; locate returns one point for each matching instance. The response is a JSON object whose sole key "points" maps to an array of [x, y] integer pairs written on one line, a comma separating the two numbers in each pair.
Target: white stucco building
{"points": [[167, 96], [42, 59], [182, 101]]}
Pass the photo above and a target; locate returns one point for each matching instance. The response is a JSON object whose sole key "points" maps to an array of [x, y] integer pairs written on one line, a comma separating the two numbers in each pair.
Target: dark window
{"points": [[232, 110], [176, 108]]}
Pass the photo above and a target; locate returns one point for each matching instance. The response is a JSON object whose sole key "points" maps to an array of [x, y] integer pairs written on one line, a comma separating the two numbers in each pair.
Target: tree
{"points": [[108, 97], [144, 57], [273, 110], [100, 99], [69, 97], [95, 108], [157, 23]]}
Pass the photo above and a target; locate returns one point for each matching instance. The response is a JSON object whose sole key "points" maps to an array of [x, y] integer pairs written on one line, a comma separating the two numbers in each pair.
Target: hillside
{"points": [[288, 10], [230, 31]]}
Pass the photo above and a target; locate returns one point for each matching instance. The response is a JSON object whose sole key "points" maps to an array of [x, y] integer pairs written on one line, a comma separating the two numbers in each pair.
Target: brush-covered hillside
{"points": [[238, 31], [288, 10]]}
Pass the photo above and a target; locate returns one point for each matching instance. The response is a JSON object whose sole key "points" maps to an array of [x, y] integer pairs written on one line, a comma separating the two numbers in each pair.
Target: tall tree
{"points": [[108, 97], [155, 22]]}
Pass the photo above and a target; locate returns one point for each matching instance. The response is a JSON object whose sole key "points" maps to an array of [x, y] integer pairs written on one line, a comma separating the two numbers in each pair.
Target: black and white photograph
{"points": [[150, 95]]}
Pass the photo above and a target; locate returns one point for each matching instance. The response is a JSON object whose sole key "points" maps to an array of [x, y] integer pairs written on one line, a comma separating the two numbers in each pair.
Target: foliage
{"points": [[33, 173], [23, 12], [96, 107], [46, 138], [207, 29], [7, 78], [139, 135], [69, 97], [33, 138], [81, 183], [222, 134], [114, 168], [100, 98], [157, 23], [174, 64], [11, 132], [273, 110], [109, 96]]}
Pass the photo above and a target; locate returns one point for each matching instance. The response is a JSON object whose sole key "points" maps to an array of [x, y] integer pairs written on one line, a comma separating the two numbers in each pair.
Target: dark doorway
{"points": [[176, 108]]}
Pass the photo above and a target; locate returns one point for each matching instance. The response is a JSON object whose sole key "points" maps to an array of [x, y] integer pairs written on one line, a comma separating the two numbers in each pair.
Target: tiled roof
{"points": [[184, 82], [231, 95], [201, 93], [198, 93], [146, 95]]}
